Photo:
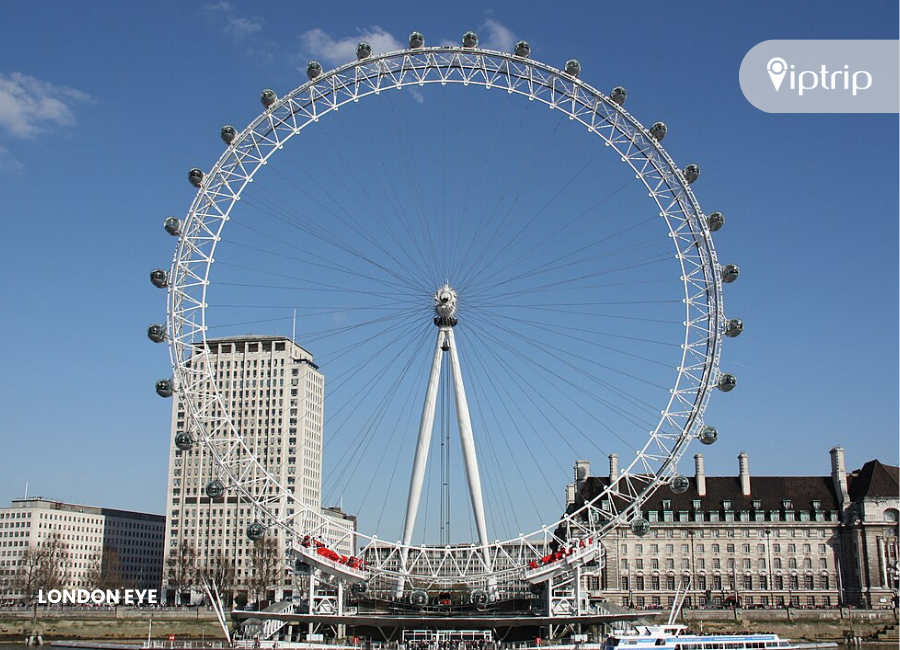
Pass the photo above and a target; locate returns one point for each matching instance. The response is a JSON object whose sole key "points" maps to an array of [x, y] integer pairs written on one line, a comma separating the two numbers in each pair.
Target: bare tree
{"points": [[266, 567], [105, 571], [42, 568], [181, 568], [219, 571]]}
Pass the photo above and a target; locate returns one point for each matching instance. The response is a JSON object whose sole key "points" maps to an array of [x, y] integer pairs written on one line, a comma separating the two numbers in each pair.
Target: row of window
{"points": [[718, 582]]}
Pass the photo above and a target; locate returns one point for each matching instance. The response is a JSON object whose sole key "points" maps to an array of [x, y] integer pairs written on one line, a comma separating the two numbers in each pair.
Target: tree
{"points": [[181, 568], [42, 568], [105, 571], [219, 572], [266, 567]]}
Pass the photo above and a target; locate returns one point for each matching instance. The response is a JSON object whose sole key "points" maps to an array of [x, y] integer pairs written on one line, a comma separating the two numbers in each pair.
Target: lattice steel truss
{"points": [[704, 319]]}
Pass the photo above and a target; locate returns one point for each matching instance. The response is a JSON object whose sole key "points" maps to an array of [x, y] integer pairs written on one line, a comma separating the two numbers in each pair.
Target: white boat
{"points": [[679, 637]]}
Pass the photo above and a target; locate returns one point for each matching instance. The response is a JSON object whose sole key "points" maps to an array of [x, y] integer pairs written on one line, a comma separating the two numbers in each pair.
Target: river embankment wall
{"points": [[196, 623]]}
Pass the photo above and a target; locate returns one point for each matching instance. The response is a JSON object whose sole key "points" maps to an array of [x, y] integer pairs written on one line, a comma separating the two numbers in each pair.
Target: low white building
{"points": [[134, 539]]}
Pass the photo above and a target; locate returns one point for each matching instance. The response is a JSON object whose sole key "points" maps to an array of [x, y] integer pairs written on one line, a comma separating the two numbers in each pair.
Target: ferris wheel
{"points": [[493, 283]]}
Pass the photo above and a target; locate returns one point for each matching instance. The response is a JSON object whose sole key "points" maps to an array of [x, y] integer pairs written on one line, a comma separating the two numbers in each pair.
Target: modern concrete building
{"points": [[132, 542], [274, 394], [767, 541]]}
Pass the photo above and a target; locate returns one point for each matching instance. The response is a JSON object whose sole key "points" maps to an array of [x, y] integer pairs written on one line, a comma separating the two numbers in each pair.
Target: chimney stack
{"points": [[613, 467], [700, 475], [582, 472], [839, 476], [570, 494], [744, 473]]}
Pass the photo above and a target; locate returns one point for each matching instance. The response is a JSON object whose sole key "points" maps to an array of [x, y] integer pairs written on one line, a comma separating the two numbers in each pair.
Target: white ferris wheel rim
{"points": [[655, 463]]}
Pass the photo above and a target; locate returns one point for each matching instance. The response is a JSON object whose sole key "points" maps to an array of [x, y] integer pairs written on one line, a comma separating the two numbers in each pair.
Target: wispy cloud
{"points": [[7, 161], [243, 27], [29, 106], [492, 35], [237, 26], [496, 36], [333, 51]]}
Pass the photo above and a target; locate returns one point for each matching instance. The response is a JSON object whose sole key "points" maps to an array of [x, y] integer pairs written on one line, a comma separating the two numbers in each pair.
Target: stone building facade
{"points": [[131, 541], [812, 542], [274, 394]]}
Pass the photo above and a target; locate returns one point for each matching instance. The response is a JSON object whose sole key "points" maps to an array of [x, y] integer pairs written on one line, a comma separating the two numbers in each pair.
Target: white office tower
{"points": [[273, 393]]}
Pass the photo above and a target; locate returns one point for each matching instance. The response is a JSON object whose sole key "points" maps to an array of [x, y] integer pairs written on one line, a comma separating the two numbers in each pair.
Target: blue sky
{"points": [[105, 106]]}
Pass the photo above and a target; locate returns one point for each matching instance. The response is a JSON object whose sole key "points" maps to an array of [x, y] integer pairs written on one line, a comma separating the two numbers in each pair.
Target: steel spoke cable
{"points": [[336, 243], [486, 267], [399, 204], [539, 345], [527, 255], [415, 187], [635, 419], [382, 220], [494, 458], [631, 417], [356, 224], [564, 262], [330, 267], [288, 215], [542, 397], [488, 382], [358, 447], [505, 398], [353, 224], [490, 240], [545, 348]]}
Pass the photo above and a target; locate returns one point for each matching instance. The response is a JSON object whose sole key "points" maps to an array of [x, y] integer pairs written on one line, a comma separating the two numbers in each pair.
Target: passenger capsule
{"points": [[156, 333], [228, 133], [734, 327], [363, 50], [184, 441], [618, 95], [215, 489], [679, 484], [478, 597], [470, 39], [659, 130], [255, 531], [523, 49], [416, 40], [172, 226], [418, 598], [691, 173], [715, 221], [708, 435], [268, 97], [730, 273], [164, 388], [313, 69], [159, 278], [640, 527], [195, 176], [573, 67], [727, 382]]}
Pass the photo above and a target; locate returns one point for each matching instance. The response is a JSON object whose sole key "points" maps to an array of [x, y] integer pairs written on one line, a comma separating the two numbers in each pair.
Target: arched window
{"points": [[891, 515]]}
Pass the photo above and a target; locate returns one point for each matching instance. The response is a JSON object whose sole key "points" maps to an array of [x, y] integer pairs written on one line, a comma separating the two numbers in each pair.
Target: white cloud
{"points": [[496, 36], [235, 25], [29, 106], [242, 27], [335, 51], [7, 161]]}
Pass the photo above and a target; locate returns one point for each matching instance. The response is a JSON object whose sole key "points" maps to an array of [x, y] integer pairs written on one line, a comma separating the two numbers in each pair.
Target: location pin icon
{"points": [[777, 67]]}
